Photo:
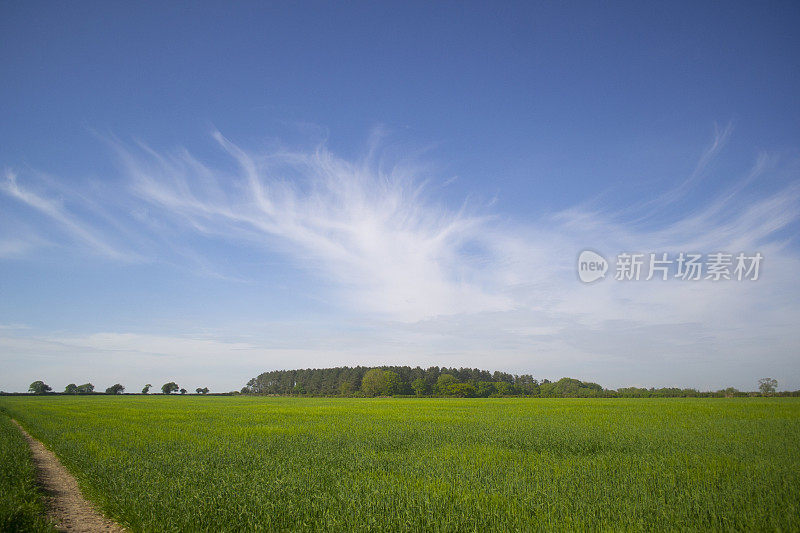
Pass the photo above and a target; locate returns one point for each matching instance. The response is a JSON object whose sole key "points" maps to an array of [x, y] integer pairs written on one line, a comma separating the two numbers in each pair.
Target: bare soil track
{"points": [[66, 506]]}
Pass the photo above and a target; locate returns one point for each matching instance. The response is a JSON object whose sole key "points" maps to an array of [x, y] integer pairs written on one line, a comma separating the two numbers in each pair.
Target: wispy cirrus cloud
{"points": [[61, 217], [379, 236], [369, 229], [441, 284], [15, 247], [373, 230]]}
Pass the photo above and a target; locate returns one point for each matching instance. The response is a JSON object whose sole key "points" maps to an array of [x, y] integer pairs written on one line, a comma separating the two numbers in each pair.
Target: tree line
{"points": [[40, 387], [434, 381], [458, 382]]}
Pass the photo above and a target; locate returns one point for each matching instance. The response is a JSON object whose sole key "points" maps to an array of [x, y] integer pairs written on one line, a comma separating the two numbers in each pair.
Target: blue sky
{"points": [[202, 192]]}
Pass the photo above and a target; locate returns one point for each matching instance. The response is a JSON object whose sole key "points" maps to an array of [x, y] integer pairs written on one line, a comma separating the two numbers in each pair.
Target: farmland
{"points": [[20, 501], [261, 463]]}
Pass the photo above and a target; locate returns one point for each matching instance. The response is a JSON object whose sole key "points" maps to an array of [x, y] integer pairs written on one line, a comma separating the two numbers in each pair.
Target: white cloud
{"points": [[438, 285], [14, 248], [369, 229], [55, 210]]}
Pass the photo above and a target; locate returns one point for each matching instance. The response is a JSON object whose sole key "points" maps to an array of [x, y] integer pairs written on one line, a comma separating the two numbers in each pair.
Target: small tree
{"points": [[730, 392], [71, 389], [346, 388], [86, 388], [504, 389], [39, 387], [146, 389], [169, 388], [203, 390], [459, 390], [183, 391], [117, 388], [392, 382], [484, 389], [444, 382], [374, 382], [420, 387], [767, 386]]}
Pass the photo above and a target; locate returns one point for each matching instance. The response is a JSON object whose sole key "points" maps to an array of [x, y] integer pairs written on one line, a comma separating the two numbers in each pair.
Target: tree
{"points": [[767, 386], [420, 387], [504, 389], [117, 388], [146, 389], [169, 388], [374, 382], [39, 387], [393, 383], [86, 388], [346, 388], [443, 383], [459, 390], [203, 390], [527, 385], [484, 389], [71, 389], [730, 392], [183, 391]]}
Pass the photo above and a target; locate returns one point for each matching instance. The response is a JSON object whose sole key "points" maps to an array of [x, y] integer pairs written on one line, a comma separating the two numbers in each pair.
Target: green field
{"points": [[20, 500], [257, 463]]}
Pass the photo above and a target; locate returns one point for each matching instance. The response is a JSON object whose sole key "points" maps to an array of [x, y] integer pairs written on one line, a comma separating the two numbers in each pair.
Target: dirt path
{"points": [[66, 506]]}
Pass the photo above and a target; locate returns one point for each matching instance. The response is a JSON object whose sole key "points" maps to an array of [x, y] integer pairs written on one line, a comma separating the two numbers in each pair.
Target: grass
{"points": [[21, 506], [254, 463]]}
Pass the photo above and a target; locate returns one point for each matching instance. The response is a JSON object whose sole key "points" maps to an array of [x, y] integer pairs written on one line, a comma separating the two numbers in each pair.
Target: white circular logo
{"points": [[591, 266]]}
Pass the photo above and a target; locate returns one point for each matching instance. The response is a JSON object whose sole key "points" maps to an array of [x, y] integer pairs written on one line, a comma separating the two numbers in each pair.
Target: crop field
{"points": [[20, 500], [258, 463]]}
